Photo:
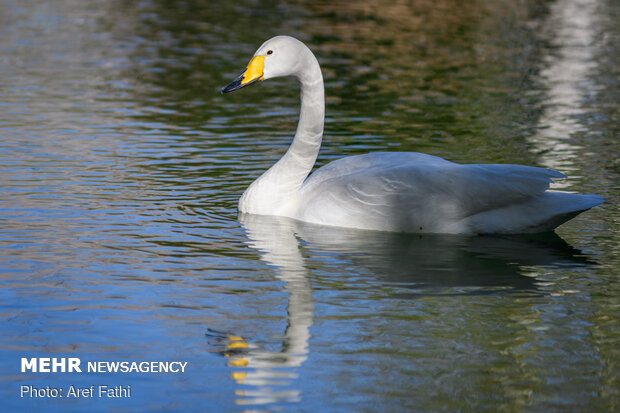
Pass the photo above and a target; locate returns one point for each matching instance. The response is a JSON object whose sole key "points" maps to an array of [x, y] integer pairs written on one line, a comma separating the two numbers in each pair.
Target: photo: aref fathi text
{"points": [[100, 391]]}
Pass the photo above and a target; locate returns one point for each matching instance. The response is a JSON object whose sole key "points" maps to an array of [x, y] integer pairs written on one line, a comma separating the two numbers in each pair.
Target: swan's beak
{"points": [[253, 73]]}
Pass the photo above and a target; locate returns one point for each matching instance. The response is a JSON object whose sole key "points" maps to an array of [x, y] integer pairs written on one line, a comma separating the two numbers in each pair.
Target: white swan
{"points": [[392, 191]]}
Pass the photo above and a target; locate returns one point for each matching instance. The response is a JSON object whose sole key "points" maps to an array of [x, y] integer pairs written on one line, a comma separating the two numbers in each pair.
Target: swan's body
{"points": [[392, 191]]}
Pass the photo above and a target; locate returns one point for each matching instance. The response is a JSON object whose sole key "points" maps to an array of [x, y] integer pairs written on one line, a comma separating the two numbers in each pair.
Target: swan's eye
{"points": [[269, 51]]}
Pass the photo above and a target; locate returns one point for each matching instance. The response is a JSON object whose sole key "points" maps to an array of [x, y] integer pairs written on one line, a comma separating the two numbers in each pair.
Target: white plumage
{"points": [[392, 191]]}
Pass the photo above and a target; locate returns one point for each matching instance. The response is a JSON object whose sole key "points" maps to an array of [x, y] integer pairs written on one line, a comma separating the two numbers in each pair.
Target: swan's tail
{"points": [[568, 206], [541, 214]]}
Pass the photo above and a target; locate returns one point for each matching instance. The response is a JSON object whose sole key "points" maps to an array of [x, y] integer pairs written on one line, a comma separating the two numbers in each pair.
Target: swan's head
{"points": [[278, 56]]}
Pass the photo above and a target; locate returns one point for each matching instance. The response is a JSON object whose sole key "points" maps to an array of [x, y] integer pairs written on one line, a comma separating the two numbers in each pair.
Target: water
{"points": [[122, 166]]}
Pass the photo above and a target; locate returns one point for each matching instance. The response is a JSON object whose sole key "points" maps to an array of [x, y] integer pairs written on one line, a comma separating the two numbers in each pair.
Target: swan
{"points": [[392, 191]]}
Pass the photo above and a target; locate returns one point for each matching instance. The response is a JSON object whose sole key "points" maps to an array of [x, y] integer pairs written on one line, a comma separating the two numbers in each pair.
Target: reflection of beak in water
{"points": [[572, 29], [260, 369], [408, 265]]}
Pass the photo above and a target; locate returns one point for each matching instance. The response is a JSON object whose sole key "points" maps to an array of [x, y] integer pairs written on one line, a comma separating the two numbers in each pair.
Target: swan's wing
{"points": [[415, 192], [375, 161]]}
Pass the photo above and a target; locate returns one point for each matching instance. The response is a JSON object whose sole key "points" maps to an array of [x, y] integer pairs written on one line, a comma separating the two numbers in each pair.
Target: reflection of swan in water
{"points": [[261, 369], [279, 247], [425, 261], [409, 264]]}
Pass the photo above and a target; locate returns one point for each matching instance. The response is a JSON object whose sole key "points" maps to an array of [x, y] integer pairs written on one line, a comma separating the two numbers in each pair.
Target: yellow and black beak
{"points": [[253, 73]]}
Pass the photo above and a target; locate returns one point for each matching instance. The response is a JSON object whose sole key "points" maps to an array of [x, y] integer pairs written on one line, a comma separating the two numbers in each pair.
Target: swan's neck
{"points": [[276, 189]]}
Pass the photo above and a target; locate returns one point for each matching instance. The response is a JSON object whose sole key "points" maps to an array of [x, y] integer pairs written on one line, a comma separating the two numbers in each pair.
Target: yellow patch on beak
{"points": [[252, 73], [254, 70]]}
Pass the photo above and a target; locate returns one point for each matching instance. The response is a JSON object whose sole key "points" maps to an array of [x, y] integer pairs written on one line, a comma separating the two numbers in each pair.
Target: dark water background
{"points": [[121, 166]]}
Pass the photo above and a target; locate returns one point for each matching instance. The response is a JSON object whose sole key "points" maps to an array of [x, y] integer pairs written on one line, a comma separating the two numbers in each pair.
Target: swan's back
{"points": [[414, 192]]}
